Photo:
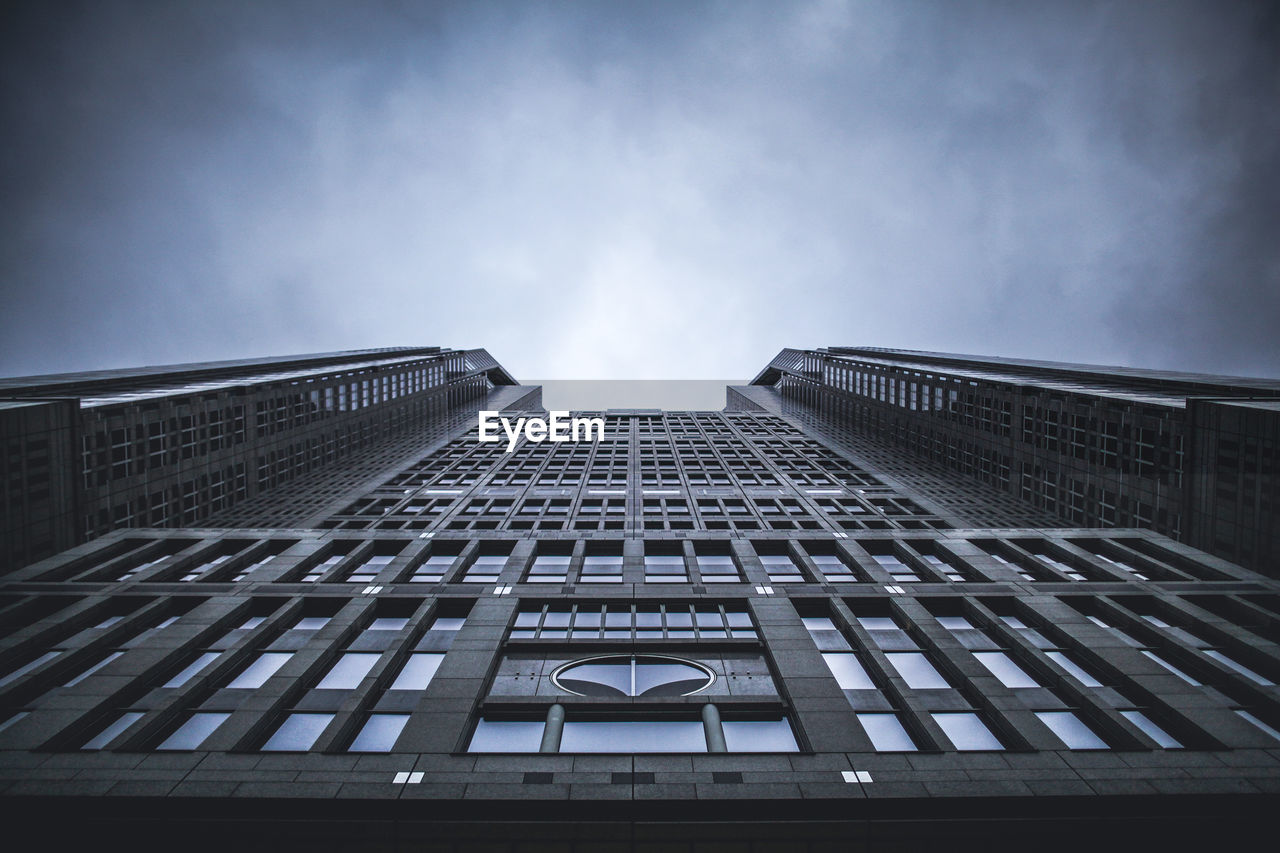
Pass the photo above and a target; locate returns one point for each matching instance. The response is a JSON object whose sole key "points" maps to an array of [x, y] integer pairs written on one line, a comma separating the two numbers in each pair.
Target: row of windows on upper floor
{"points": [[417, 654], [420, 370], [850, 560], [1155, 443], [863, 656], [867, 651]]}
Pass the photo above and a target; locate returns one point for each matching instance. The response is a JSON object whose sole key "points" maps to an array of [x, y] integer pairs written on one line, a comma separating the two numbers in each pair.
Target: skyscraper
{"points": [[829, 616]]}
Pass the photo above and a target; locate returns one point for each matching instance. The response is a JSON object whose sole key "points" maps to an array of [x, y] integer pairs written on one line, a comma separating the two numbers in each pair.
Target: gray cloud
{"points": [[640, 190]]}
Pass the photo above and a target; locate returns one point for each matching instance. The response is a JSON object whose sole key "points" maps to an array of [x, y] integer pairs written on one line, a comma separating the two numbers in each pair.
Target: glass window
{"points": [[311, 623], [91, 670], [13, 719], [349, 670], [1151, 730], [848, 671], [379, 733], [191, 669], [1071, 730], [386, 623], [1003, 668], [507, 736], [1164, 663], [27, 667], [418, 671], [916, 670], [1238, 667], [111, 732], [759, 736], [886, 732], [194, 731], [634, 736], [966, 731], [297, 733], [262, 668], [1073, 668], [1259, 723]]}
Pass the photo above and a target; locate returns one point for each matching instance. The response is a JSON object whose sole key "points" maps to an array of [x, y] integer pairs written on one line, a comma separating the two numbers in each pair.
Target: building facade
{"points": [[87, 453], [767, 628], [1192, 456]]}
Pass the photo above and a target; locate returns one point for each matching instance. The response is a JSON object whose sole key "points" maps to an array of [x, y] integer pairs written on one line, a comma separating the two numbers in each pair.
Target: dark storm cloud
{"points": [[597, 189]]}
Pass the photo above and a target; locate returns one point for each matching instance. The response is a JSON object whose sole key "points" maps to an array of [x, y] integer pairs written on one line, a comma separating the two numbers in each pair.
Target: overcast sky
{"points": [[641, 190]]}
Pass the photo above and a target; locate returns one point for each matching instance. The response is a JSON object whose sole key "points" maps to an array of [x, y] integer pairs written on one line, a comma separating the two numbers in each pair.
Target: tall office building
{"points": [[829, 617]]}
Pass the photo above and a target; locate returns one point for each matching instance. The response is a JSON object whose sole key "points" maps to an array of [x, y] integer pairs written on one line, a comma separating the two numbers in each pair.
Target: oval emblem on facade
{"points": [[633, 675]]}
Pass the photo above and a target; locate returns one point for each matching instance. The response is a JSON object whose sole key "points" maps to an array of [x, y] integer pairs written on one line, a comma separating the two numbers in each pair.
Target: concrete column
{"points": [[553, 730], [713, 729]]}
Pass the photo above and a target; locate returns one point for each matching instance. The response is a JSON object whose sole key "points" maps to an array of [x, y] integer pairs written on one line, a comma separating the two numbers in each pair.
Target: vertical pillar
{"points": [[553, 730], [713, 729]]}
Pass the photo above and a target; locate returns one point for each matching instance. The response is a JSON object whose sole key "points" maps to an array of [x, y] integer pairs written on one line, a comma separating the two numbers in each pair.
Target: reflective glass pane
{"points": [[966, 731], [848, 671], [886, 732], [1070, 666], [1003, 668], [297, 733], [916, 670], [349, 670], [1071, 730], [633, 736], [260, 670], [193, 732], [759, 736], [379, 733], [194, 667], [1151, 730], [113, 731], [506, 736], [417, 672]]}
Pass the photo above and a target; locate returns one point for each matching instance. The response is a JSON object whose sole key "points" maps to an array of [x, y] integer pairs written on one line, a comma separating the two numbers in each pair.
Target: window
{"points": [[194, 732], [92, 669], [348, 671], [434, 569], [486, 569], [665, 568], [1073, 669], [262, 668], [966, 731], [1239, 667], [602, 569], [759, 736], [848, 671], [1164, 663], [833, 569], [379, 733], [886, 733], [781, 568], [191, 669], [916, 670], [28, 667], [506, 736], [549, 568], [297, 733], [899, 571], [1151, 730], [634, 736], [1071, 730], [114, 730], [1245, 715], [1002, 667], [367, 572], [418, 671]]}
